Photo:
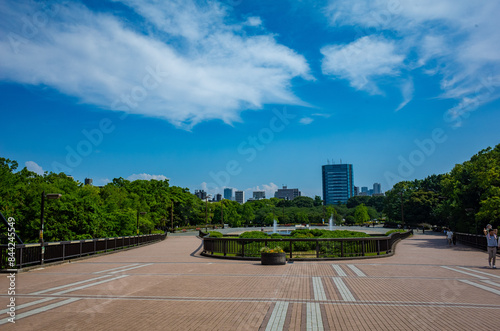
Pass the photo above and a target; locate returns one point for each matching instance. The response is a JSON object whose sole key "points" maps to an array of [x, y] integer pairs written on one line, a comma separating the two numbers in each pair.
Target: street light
{"points": [[172, 217], [222, 212], [139, 213], [206, 212], [402, 211], [50, 196]]}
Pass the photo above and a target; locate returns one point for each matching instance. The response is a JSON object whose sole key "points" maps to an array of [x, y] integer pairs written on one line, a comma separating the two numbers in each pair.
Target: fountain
{"points": [[275, 225], [331, 223]]}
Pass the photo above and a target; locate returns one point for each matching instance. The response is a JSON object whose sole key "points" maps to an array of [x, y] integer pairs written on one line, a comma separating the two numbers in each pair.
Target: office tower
{"points": [[239, 196], [287, 193], [338, 183], [88, 181], [228, 193], [377, 189], [257, 195], [218, 197], [200, 194]]}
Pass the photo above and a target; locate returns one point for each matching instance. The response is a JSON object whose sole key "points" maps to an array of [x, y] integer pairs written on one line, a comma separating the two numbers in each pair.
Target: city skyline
{"points": [[248, 94]]}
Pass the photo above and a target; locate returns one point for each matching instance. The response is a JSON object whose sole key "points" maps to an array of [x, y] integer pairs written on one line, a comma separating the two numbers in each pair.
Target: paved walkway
{"points": [[168, 286]]}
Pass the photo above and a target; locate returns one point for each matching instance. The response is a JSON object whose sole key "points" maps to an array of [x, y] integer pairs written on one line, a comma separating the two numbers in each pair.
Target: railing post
{"points": [[378, 247], [317, 248], [342, 248], [81, 248], [225, 247], [291, 248], [362, 248], [243, 249], [64, 250]]}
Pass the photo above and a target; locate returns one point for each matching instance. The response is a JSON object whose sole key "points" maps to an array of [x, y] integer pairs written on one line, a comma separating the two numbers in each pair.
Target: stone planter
{"points": [[273, 258]]}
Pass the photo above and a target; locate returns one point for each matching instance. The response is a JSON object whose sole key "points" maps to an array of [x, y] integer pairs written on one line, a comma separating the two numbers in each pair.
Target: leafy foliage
{"points": [[465, 199]]}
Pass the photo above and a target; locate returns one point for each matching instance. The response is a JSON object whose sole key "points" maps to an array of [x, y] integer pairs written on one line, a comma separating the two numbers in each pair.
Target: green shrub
{"points": [[215, 234], [254, 235]]}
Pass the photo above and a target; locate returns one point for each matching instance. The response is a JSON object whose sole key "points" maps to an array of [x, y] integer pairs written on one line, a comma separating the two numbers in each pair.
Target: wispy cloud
{"points": [[189, 66], [306, 120], [407, 90], [457, 40], [362, 62], [33, 166], [146, 177]]}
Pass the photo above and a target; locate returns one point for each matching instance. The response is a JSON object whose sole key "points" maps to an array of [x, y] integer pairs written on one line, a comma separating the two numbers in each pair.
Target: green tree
{"points": [[361, 214]]}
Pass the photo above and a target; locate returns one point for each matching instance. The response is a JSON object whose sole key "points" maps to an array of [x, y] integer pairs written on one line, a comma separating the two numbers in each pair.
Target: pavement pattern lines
{"points": [[449, 291]]}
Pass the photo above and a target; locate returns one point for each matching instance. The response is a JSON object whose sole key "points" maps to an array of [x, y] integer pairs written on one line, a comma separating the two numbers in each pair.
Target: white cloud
{"points": [[253, 21], [407, 90], [270, 189], [306, 120], [33, 166], [322, 115], [362, 62], [205, 69], [457, 40], [146, 177]]}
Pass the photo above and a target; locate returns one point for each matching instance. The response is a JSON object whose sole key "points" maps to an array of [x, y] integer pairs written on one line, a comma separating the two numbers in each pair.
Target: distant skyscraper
{"points": [[228, 193], [88, 181], [200, 194], [239, 196], [218, 197], [257, 195], [356, 190], [287, 193], [364, 189], [377, 189], [338, 183]]}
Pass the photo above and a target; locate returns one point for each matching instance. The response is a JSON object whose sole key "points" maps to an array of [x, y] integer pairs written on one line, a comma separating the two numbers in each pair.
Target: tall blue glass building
{"points": [[228, 193], [338, 183]]}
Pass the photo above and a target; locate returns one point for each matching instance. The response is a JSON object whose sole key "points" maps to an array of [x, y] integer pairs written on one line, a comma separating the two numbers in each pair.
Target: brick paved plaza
{"points": [[426, 285]]}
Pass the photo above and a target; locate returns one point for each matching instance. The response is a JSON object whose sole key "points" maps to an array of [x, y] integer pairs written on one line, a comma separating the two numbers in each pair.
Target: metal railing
{"points": [[30, 254], [476, 241], [303, 248]]}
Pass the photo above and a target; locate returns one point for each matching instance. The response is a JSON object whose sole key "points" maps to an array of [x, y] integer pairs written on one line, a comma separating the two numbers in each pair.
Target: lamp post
{"points": [[468, 210], [222, 212], [172, 218], [50, 196], [402, 211], [139, 213], [206, 212]]}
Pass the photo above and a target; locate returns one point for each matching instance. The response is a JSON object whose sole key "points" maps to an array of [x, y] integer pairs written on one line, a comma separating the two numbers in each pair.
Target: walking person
{"points": [[449, 235], [492, 240]]}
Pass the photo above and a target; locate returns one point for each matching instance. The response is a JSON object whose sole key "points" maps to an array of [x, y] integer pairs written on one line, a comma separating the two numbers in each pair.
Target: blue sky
{"points": [[248, 94]]}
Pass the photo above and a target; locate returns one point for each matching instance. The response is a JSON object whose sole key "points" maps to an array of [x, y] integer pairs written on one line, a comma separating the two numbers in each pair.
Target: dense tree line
{"points": [[465, 199], [86, 211]]}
